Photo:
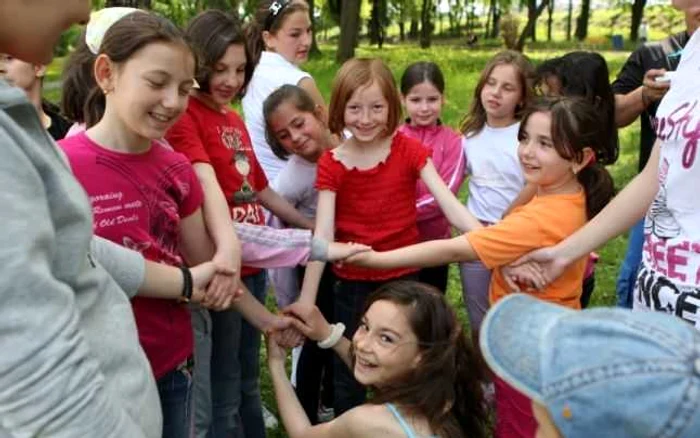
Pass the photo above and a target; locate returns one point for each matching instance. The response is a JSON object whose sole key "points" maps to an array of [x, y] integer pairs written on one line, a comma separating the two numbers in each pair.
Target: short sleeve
{"points": [[193, 194], [185, 138], [415, 153], [514, 236], [328, 175], [632, 74]]}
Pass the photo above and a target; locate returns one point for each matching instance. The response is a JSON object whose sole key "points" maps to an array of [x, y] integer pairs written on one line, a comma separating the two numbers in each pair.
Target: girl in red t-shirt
{"points": [[367, 194]]}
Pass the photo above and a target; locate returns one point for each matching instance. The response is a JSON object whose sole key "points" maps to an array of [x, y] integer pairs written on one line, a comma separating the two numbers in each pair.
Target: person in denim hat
{"points": [[599, 372]]}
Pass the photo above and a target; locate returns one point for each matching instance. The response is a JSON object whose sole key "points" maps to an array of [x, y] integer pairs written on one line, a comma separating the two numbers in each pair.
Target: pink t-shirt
{"points": [[138, 201]]}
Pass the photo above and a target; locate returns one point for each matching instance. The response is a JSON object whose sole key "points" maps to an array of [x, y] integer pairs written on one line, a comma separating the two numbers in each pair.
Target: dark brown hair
{"points": [[445, 387], [420, 72], [576, 125], [123, 39], [475, 120], [211, 33], [286, 93], [357, 73], [78, 79], [263, 22]]}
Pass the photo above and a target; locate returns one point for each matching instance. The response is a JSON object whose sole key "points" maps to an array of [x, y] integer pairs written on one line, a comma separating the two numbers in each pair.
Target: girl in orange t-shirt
{"points": [[559, 140]]}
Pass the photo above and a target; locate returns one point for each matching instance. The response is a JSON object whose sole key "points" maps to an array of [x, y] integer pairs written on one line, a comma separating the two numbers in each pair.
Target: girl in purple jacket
{"points": [[422, 94]]}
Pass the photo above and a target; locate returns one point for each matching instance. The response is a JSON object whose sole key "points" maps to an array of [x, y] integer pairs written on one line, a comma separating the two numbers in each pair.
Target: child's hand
{"points": [[363, 258], [341, 251], [551, 263], [308, 320], [289, 338], [225, 287], [526, 277], [202, 276], [276, 354]]}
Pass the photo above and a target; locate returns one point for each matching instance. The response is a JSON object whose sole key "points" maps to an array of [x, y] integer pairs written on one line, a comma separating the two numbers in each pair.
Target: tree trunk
{"points": [[426, 23], [487, 28], [349, 29], [637, 15], [402, 31], [532, 19], [313, 50], [496, 22], [582, 20], [550, 11], [568, 20]]}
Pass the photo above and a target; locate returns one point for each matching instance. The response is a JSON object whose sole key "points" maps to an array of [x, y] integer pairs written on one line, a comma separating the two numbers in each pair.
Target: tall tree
{"points": [[314, 50], [349, 29], [582, 20], [426, 23], [550, 11], [377, 22], [637, 15], [569, 17], [531, 21], [532, 18]]}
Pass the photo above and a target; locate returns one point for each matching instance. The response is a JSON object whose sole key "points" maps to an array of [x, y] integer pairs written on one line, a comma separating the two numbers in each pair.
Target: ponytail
{"points": [[254, 42], [599, 187], [78, 81]]}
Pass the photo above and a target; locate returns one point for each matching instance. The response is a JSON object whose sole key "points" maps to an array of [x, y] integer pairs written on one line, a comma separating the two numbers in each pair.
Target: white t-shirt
{"points": [[495, 175], [669, 279], [295, 183], [272, 72]]}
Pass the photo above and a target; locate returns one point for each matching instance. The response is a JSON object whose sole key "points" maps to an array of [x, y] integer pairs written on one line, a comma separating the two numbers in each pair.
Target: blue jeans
{"points": [[627, 277], [227, 370], [175, 390]]}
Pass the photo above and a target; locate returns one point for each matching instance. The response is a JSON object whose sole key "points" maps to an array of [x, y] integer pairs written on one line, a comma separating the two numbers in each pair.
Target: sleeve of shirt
{"points": [[126, 267], [632, 74], [327, 174], [506, 241], [194, 195], [186, 138], [416, 154]]}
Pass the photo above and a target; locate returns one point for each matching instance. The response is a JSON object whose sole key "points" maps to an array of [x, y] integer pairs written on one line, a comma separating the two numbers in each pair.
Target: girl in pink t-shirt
{"points": [[146, 197]]}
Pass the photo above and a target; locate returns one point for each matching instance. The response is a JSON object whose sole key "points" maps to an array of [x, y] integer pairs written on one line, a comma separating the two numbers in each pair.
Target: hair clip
{"points": [[275, 8], [99, 24]]}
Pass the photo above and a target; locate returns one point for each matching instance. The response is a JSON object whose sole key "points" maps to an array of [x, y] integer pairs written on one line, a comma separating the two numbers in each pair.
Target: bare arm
{"points": [[629, 106], [283, 209], [325, 229], [421, 255], [455, 212]]}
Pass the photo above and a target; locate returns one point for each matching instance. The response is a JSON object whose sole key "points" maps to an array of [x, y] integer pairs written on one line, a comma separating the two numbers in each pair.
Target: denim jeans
{"points": [[627, 277], [175, 391], [227, 369]]}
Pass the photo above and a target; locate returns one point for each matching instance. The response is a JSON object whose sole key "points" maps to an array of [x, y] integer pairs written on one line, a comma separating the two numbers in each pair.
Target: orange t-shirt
{"points": [[544, 221]]}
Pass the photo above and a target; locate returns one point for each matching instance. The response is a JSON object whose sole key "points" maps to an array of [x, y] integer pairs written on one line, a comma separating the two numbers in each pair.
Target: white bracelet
{"points": [[337, 331]]}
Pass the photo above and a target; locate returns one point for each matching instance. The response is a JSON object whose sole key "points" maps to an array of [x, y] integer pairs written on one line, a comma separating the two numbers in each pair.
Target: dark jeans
{"points": [[627, 278], [315, 365], [349, 301], [175, 391], [435, 276], [588, 287]]}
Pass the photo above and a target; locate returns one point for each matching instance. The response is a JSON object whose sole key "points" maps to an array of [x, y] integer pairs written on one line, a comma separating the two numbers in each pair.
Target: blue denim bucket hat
{"points": [[601, 372]]}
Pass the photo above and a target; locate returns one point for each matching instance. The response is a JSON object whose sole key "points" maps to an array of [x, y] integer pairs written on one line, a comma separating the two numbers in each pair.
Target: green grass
{"points": [[461, 68]]}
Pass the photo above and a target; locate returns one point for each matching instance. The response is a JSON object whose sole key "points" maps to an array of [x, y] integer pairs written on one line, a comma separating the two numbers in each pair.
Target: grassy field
{"points": [[461, 68]]}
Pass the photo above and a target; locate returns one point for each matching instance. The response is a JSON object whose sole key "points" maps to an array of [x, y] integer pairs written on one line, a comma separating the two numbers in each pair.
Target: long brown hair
{"points": [[78, 80], [445, 387], [267, 20], [577, 124], [475, 119]]}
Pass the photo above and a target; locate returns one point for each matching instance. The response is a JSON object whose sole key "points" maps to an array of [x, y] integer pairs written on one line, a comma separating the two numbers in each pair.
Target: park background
{"points": [[460, 36]]}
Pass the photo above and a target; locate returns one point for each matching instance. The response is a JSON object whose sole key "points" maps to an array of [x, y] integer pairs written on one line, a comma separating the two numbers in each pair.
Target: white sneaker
{"points": [[269, 419]]}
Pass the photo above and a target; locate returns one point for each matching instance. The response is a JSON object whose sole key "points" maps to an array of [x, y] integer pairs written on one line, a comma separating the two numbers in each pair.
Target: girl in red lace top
{"points": [[367, 194]]}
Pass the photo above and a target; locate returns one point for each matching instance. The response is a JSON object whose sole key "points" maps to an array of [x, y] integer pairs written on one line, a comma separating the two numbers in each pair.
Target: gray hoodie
{"points": [[70, 360]]}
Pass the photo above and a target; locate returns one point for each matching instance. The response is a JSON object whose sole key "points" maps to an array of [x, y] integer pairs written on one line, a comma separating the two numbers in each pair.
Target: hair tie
{"points": [[99, 24], [592, 161], [275, 9]]}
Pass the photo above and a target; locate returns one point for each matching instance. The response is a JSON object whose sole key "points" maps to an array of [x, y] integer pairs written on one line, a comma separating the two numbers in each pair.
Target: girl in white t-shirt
{"points": [[490, 143], [278, 39]]}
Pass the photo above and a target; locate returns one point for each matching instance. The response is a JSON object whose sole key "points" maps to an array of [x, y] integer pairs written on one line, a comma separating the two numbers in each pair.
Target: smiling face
{"points": [[541, 163], [423, 104], [293, 39], [367, 113], [299, 132], [386, 349], [36, 26], [228, 75], [147, 93], [501, 94]]}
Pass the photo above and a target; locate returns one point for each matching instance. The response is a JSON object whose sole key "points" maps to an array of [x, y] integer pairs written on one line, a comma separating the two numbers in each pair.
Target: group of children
{"points": [[171, 171]]}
